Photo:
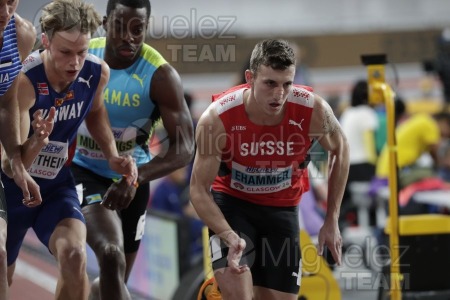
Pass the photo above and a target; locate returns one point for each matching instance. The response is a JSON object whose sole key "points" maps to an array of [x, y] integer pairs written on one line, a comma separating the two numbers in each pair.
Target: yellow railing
{"points": [[381, 93]]}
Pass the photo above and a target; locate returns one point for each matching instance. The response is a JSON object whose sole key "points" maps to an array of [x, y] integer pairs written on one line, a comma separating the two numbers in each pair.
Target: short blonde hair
{"points": [[64, 15]]}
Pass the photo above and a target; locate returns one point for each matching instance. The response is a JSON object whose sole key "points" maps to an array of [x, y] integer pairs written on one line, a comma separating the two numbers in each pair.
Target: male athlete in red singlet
{"points": [[250, 172]]}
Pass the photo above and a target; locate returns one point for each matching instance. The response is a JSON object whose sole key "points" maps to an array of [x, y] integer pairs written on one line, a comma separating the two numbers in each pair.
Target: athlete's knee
{"points": [[112, 256], [73, 258], [3, 256]]}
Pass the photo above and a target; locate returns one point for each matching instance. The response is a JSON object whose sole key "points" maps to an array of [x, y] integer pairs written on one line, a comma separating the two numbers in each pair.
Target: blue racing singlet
{"points": [[131, 112], [10, 64], [72, 106]]}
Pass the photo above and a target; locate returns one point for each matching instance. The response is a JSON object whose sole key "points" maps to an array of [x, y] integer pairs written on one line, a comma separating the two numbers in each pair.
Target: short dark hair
{"points": [[360, 93], [442, 116], [277, 54], [399, 108], [129, 3]]}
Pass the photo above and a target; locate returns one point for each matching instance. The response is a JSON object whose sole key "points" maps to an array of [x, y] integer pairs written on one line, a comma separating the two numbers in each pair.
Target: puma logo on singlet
{"points": [[292, 122], [141, 80], [81, 79]]}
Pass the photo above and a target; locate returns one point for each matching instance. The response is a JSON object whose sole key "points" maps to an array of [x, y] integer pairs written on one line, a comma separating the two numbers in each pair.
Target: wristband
{"points": [[135, 184]]}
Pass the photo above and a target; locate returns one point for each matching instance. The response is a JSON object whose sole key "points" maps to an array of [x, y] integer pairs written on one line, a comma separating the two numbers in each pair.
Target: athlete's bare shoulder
{"points": [[323, 119], [26, 36], [210, 117]]}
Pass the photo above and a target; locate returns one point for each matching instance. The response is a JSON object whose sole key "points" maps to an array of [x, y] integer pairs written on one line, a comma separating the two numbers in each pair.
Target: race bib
{"points": [[255, 180], [50, 160], [125, 142]]}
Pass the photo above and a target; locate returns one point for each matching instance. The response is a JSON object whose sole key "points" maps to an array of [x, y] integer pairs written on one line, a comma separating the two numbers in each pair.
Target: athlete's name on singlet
{"points": [[49, 161], [262, 179], [67, 112], [267, 148], [4, 77], [119, 98], [89, 143], [267, 179]]}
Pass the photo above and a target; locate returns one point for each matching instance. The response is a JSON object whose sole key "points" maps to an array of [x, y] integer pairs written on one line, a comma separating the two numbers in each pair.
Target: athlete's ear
{"points": [[105, 20], [249, 76], [45, 40]]}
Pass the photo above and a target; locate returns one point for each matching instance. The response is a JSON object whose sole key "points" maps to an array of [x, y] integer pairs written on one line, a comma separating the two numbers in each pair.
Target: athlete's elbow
{"points": [[6, 169], [185, 153]]}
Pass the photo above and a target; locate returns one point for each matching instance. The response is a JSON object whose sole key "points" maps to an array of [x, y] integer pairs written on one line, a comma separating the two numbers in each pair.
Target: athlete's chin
{"points": [[70, 75], [274, 111], [126, 58]]}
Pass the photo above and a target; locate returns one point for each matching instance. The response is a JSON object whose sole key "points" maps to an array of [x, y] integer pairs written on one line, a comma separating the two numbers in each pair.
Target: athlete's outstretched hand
{"points": [[119, 195], [30, 189], [43, 127], [236, 246], [330, 236], [125, 165]]}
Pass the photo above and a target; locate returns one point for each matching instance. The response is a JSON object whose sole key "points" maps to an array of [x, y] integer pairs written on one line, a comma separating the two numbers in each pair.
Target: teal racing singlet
{"points": [[131, 112]]}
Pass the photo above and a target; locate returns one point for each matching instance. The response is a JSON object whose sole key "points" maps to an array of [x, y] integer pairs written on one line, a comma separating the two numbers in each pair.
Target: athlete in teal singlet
{"points": [[143, 88]]}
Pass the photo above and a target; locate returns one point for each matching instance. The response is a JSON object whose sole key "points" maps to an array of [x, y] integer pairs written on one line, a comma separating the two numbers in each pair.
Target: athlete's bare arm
{"points": [[9, 121], [210, 137], [26, 36], [325, 127], [168, 95], [43, 126], [97, 122]]}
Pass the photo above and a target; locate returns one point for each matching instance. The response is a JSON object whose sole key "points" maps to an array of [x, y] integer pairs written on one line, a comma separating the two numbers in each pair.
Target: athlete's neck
{"points": [[117, 63], [255, 111]]}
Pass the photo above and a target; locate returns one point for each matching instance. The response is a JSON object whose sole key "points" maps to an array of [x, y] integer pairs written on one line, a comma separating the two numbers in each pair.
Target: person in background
{"points": [[172, 196], [416, 135], [359, 122], [302, 74], [250, 171], [444, 161], [143, 89], [65, 84]]}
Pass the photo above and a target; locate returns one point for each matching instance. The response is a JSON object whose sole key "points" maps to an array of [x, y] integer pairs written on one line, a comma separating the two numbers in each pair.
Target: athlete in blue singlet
{"points": [[142, 89], [63, 76], [17, 37]]}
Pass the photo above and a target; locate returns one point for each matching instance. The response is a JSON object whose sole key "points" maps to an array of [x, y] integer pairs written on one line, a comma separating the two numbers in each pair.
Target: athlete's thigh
{"points": [[133, 219], [92, 186], [103, 226], [72, 231], [20, 218], [236, 214], [277, 264], [61, 204]]}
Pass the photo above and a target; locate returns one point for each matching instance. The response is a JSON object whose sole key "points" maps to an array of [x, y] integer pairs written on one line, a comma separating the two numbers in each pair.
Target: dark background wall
{"points": [[203, 36], [324, 51]]}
